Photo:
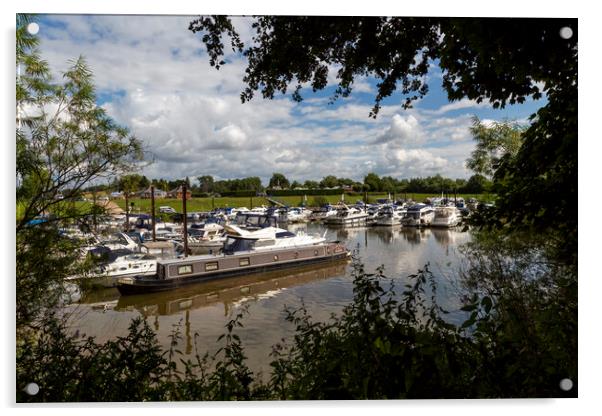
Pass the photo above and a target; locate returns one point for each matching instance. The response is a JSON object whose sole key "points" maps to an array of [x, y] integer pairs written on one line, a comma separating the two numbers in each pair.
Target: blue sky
{"points": [[153, 76]]}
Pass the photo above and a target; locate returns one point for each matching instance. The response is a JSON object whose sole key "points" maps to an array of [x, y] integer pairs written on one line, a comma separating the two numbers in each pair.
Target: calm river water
{"points": [[206, 307]]}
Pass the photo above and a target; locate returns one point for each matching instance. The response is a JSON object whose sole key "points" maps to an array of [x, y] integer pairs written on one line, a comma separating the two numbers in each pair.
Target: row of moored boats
{"points": [[228, 242]]}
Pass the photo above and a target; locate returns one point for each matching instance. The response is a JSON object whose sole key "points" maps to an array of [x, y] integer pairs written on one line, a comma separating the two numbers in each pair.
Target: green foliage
{"points": [[329, 181], [301, 192], [477, 184], [373, 182], [132, 183], [311, 184], [494, 142], [524, 312], [497, 60], [318, 201], [516, 341], [278, 180], [64, 142]]}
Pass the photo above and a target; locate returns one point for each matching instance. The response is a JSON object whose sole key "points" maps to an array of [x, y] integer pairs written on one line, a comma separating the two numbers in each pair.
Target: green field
{"points": [[207, 204]]}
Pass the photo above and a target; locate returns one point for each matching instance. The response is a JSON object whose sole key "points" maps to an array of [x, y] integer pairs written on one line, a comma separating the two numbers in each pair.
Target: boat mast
{"points": [[152, 189], [184, 192]]}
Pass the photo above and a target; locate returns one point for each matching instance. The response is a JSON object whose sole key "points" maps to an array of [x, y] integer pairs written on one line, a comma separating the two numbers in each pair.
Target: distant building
{"points": [[116, 195], [178, 193], [159, 193]]}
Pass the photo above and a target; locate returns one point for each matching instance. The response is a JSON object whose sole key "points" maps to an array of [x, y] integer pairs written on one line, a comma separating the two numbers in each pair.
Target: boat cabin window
{"points": [[444, 213], [212, 265], [245, 261], [186, 269], [238, 244]]}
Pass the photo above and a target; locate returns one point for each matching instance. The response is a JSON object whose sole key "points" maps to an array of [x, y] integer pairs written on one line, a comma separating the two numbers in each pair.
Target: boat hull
{"points": [[133, 286]]}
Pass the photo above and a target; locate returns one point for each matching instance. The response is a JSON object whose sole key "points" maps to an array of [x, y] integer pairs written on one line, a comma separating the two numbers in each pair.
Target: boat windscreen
{"points": [[233, 245]]}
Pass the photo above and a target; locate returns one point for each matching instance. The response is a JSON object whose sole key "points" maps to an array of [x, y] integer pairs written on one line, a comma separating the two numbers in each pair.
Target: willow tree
{"points": [[64, 142]]}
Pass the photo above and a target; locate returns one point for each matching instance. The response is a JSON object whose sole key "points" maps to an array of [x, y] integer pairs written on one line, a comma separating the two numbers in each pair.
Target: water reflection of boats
{"points": [[443, 236], [347, 233], [386, 234], [227, 291], [414, 235]]}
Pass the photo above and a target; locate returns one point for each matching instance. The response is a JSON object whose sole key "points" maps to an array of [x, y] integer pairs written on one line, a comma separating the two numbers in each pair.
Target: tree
{"points": [[329, 181], [132, 183], [373, 182], [205, 183], [278, 180], [295, 185], [160, 184], [477, 184], [65, 142], [311, 184], [494, 142]]}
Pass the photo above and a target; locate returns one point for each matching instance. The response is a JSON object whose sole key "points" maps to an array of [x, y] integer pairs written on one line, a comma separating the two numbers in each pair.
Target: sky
{"points": [[153, 76]]}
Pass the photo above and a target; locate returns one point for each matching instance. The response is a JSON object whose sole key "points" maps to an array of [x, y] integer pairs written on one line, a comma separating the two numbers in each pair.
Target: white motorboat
{"points": [[347, 216], [390, 215], [448, 216], [115, 241], [323, 213], [119, 263], [419, 215], [239, 239], [297, 214], [207, 240]]}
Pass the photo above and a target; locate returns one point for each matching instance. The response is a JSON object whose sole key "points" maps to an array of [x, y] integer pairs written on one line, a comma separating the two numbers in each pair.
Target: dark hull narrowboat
{"points": [[176, 273]]}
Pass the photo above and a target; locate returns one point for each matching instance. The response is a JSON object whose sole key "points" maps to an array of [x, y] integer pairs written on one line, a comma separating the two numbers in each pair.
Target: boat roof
{"points": [[237, 232]]}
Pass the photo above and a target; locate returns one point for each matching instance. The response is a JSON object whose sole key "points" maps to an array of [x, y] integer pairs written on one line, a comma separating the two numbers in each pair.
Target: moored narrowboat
{"points": [[244, 252]]}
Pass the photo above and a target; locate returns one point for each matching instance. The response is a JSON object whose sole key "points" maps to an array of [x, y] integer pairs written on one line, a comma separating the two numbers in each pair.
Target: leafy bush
{"points": [[518, 341]]}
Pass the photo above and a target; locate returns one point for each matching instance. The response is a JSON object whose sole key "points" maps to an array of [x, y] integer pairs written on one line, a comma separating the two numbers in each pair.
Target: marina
{"points": [[138, 253], [324, 288]]}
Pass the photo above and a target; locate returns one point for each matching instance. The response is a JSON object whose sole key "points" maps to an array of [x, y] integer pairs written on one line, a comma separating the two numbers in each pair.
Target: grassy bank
{"points": [[207, 204]]}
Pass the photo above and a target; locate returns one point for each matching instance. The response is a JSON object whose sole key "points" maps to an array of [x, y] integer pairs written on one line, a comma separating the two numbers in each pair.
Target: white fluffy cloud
{"points": [[152, 75], [415, 161], [402, 130]]}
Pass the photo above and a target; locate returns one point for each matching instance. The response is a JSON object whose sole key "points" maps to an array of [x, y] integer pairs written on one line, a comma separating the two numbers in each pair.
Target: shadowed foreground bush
{"points": [[383, 346]]}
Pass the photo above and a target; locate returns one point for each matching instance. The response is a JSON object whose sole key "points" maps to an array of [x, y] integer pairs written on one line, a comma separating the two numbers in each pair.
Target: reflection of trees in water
{"points": [[444, 236], [415, 235]]}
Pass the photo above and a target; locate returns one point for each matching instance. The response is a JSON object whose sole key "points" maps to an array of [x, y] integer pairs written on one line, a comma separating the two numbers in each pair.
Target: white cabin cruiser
{"points": [[448, 216], [419, 215], [119, 263], [390, 215], [115, 241], [238, 239], [298, 214], [323, 213], [207, 240], [347, 216]]}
